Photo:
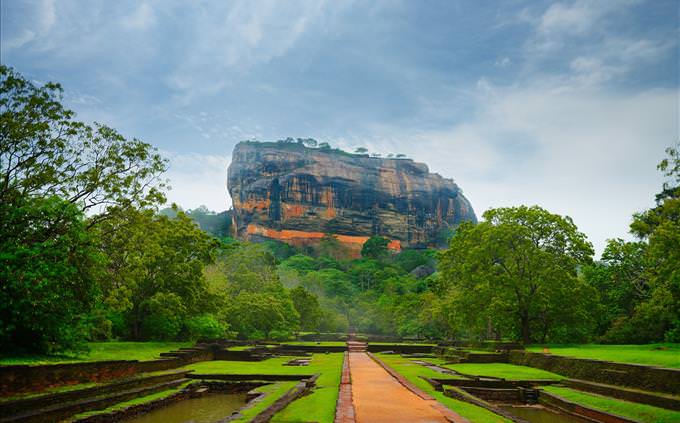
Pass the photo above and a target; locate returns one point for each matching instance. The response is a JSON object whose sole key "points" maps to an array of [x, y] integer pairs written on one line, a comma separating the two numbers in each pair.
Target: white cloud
{"points": [[142, 18], [576, 151], [198, 179], [236, 38]]}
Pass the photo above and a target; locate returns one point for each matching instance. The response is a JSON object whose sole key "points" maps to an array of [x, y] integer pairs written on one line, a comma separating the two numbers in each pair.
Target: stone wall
{"points": [[400, 348], [647, 378], [20, 379]]}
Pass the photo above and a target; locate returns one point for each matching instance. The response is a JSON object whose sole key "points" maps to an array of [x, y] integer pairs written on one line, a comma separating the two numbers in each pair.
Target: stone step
{"points": [[59, 412], [657, 399], [21, 405]]}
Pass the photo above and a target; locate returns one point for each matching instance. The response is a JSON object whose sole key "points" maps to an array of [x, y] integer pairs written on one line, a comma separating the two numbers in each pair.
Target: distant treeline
{"points": [[85, 254]]}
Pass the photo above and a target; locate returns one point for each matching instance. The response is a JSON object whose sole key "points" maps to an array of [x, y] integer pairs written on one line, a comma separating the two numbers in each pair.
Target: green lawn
{"points": [[102, 351], [502, 370], [413, 371], [322, 343], [272, 392], [320, 403], [639, 412], [403, 343], [665, 355]]}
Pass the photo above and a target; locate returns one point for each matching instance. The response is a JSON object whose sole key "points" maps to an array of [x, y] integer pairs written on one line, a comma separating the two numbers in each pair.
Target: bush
{"points": [[206, 326], [280, 335], [164, 320]]}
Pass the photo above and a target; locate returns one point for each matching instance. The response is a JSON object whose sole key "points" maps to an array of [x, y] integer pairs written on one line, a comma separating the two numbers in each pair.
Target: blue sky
{"points": [[568, 104]]}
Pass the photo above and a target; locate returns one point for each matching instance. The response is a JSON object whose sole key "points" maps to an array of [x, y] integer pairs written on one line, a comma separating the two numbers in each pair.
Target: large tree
{"points": [[658, 317], [154, 270], [59, 179], [44, 151], [517, 272]]}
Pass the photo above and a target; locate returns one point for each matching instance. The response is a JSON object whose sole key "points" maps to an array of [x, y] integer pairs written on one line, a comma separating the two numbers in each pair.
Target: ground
{"points": [[664, 355], [320, 404]]}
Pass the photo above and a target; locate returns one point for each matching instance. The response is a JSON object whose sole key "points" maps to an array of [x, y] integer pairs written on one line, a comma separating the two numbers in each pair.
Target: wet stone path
{"points": [[379, 397]]}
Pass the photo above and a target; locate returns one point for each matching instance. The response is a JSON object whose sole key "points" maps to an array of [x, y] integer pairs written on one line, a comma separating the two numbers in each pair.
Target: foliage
{"points": [[516, 274], [331, 247], [45, 152], [154, 271], [375, 247], [307, 306], [47, 263], [54, 169], [648, 272], [216, 224]]}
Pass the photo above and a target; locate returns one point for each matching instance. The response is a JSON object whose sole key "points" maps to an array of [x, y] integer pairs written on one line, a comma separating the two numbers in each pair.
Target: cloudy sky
{"points": [[567, 104]]}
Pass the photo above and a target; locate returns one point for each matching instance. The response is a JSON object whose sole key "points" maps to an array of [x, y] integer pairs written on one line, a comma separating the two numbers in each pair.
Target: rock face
{"points": [[296, 194]]}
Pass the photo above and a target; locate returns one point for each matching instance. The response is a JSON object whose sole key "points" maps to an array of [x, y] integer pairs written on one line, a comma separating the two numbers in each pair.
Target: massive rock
{"points": [[296, 194]]}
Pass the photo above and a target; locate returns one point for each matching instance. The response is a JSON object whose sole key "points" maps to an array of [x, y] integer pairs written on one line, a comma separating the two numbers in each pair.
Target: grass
{"points": [[413, 371], [502, 370], [321, 343], [272, 392], [132, 402], [639, 412], [665, 355], [320, 404], [102, 351], [404, 343]]}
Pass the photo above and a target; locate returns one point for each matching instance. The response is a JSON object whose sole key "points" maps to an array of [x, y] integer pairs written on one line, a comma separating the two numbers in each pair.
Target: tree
{"points": [[307, 142], [324, 146], [48, 262], [45, 152], [330, 246], [658, 317], [401, 155], [216, 224], [517, 271], [375, 247], [361, 150], [154, 260], [620, 279], [256, 315], [59, 180], [307, 306]]}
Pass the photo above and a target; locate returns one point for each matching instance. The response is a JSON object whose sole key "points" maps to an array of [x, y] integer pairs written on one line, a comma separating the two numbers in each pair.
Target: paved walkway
{"points": [[379, 397]]}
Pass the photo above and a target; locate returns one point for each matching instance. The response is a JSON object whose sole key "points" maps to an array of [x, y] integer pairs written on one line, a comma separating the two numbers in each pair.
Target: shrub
{"points": [[206, 326]]}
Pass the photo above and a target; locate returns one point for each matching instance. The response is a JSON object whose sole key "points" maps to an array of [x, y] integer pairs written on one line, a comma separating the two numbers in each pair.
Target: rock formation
{"points": [[295, 194]]}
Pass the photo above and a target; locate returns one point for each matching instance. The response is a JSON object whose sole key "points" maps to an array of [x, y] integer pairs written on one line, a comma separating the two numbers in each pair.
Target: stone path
{"points": [[379, 397]]}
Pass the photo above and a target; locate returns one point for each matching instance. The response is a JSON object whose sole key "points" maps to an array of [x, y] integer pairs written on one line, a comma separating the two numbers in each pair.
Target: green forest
{"points": [[89, 251]]}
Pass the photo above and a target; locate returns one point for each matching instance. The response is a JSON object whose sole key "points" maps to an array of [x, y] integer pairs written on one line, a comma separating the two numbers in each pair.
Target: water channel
{"points": [[538, 414], [205, 409]]}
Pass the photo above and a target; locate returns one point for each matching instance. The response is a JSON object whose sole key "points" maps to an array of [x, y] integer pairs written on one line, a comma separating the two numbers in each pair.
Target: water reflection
{"points": [[206, 409]]}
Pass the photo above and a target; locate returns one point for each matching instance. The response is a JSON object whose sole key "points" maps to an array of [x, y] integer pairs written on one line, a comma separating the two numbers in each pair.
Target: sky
{"points": [[568, 105]]}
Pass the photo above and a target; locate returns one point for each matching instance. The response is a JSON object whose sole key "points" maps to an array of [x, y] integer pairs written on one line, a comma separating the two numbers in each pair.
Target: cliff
{"points": [[296, 194]]}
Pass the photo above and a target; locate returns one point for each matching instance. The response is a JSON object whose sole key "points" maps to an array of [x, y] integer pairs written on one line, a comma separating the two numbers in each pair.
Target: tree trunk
{"points": [[526, 330]]}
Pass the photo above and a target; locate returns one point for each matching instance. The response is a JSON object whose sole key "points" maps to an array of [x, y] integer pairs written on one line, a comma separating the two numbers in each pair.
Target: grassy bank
{"points": [[101, 351], [320, 403], [638, 412], [502, 370], [663, 355]]}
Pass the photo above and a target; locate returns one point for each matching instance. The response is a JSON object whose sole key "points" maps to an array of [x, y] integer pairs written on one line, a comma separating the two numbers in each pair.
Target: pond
{"points": [[205, 409], [538, 414]]}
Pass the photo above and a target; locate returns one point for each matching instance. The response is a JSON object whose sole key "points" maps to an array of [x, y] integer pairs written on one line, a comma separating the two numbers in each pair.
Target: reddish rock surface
{"points": [[296, 194]]}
